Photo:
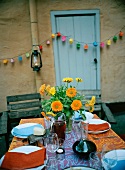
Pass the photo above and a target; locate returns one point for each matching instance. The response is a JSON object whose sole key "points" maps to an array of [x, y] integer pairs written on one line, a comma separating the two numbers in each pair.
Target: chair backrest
{"points": [[23, 106], [89, 93]]}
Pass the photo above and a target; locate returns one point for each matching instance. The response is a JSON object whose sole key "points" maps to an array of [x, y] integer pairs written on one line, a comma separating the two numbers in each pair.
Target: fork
{"points": [[101, 137]]}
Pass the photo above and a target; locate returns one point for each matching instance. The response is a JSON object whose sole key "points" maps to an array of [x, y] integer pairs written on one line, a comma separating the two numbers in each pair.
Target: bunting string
{"points": [[64, 38]]}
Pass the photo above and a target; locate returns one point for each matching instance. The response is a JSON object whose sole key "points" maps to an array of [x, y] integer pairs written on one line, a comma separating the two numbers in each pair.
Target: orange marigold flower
{"points": [[42, 89], [57, 106], [76, 105], [71, 92]]}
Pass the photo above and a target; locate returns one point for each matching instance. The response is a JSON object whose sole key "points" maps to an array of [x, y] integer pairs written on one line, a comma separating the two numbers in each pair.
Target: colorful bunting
{"points": [[27, 55], [48, 42], [78, 45], [12, 60], [108, 42], [121, 34], [115, 38], [63, 38], [70, 40], [95, 44], [20, 58], [102, 44], [86, 47], [53, 35], [5, 61], [40, 47], [58, 34]]}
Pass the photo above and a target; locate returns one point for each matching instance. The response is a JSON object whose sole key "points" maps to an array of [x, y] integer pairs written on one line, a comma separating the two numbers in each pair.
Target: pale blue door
{"points": [[84, 28]]}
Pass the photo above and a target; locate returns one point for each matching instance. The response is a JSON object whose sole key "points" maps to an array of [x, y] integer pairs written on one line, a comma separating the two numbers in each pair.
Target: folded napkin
{"points": [[98, 127], [26, 130], [16, 160]]}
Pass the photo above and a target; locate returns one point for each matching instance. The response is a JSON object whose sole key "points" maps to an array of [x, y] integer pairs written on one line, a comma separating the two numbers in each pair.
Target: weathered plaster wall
{"points": [[15, 40]]}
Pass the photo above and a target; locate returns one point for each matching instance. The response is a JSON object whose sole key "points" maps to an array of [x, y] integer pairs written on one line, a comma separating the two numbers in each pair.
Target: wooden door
{"points": [[83, 27]]}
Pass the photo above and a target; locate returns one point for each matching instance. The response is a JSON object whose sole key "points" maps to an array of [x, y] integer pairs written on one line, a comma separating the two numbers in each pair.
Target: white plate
{"points": [[27, 150], [120, 154], [25, 125], [98, 121], [77, 116], [120, 157], [79, 168]]}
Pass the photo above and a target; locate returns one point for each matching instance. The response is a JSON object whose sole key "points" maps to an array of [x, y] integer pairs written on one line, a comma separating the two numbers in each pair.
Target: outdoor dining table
{"points": [[71, 159]]}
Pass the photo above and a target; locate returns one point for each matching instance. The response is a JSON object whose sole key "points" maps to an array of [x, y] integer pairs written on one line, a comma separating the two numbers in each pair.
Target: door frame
{"points": [[96, 14]]}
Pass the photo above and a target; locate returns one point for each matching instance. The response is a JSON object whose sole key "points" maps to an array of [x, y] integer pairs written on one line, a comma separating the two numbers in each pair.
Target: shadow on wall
{"points": [[118, 111]]}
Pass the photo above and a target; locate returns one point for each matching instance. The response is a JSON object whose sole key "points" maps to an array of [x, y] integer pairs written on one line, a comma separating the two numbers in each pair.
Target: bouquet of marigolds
{"points": [[64, 99]]}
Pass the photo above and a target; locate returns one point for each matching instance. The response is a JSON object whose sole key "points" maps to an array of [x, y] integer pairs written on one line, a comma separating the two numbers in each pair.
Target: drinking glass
{"points": [[109, 158], [77, 130], [52, 143], [84, 130], [59, 127], [95, 160], [51, 164], [47, 126]]}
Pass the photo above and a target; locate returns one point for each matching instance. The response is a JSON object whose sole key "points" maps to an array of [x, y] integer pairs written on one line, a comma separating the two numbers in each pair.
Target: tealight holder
{"points": [[60, 153]]}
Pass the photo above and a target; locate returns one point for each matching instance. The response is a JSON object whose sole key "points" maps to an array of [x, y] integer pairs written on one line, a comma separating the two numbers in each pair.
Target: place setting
{"points": [[31, 155]]}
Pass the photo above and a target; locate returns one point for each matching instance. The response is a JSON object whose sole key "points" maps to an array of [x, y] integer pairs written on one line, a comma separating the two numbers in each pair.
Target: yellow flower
{"points": [[56, 106], [71, 92], [91, 109], [42, 89], [48, 88], [51, 113], [68, 80], [76, 105], [92, 101], [79, 79], [52, 90]]}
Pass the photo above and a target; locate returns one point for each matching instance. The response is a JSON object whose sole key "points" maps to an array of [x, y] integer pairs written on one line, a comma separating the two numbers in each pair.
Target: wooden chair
{"points": [[3, 133], [22, 106]]}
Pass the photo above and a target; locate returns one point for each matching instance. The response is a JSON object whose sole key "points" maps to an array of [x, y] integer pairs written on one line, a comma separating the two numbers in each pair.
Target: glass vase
{"points": [[69, 124]]}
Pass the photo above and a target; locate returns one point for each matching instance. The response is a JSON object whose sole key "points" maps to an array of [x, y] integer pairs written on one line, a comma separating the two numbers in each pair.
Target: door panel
{"points": [[73, 62]]}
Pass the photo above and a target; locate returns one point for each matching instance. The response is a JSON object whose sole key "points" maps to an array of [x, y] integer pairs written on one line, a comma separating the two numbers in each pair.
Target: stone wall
{"points": [[16, 40]]}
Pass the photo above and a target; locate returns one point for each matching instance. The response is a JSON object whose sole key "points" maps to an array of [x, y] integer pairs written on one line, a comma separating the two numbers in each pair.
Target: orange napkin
{"points": [[19, 161], [98, 127]]}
